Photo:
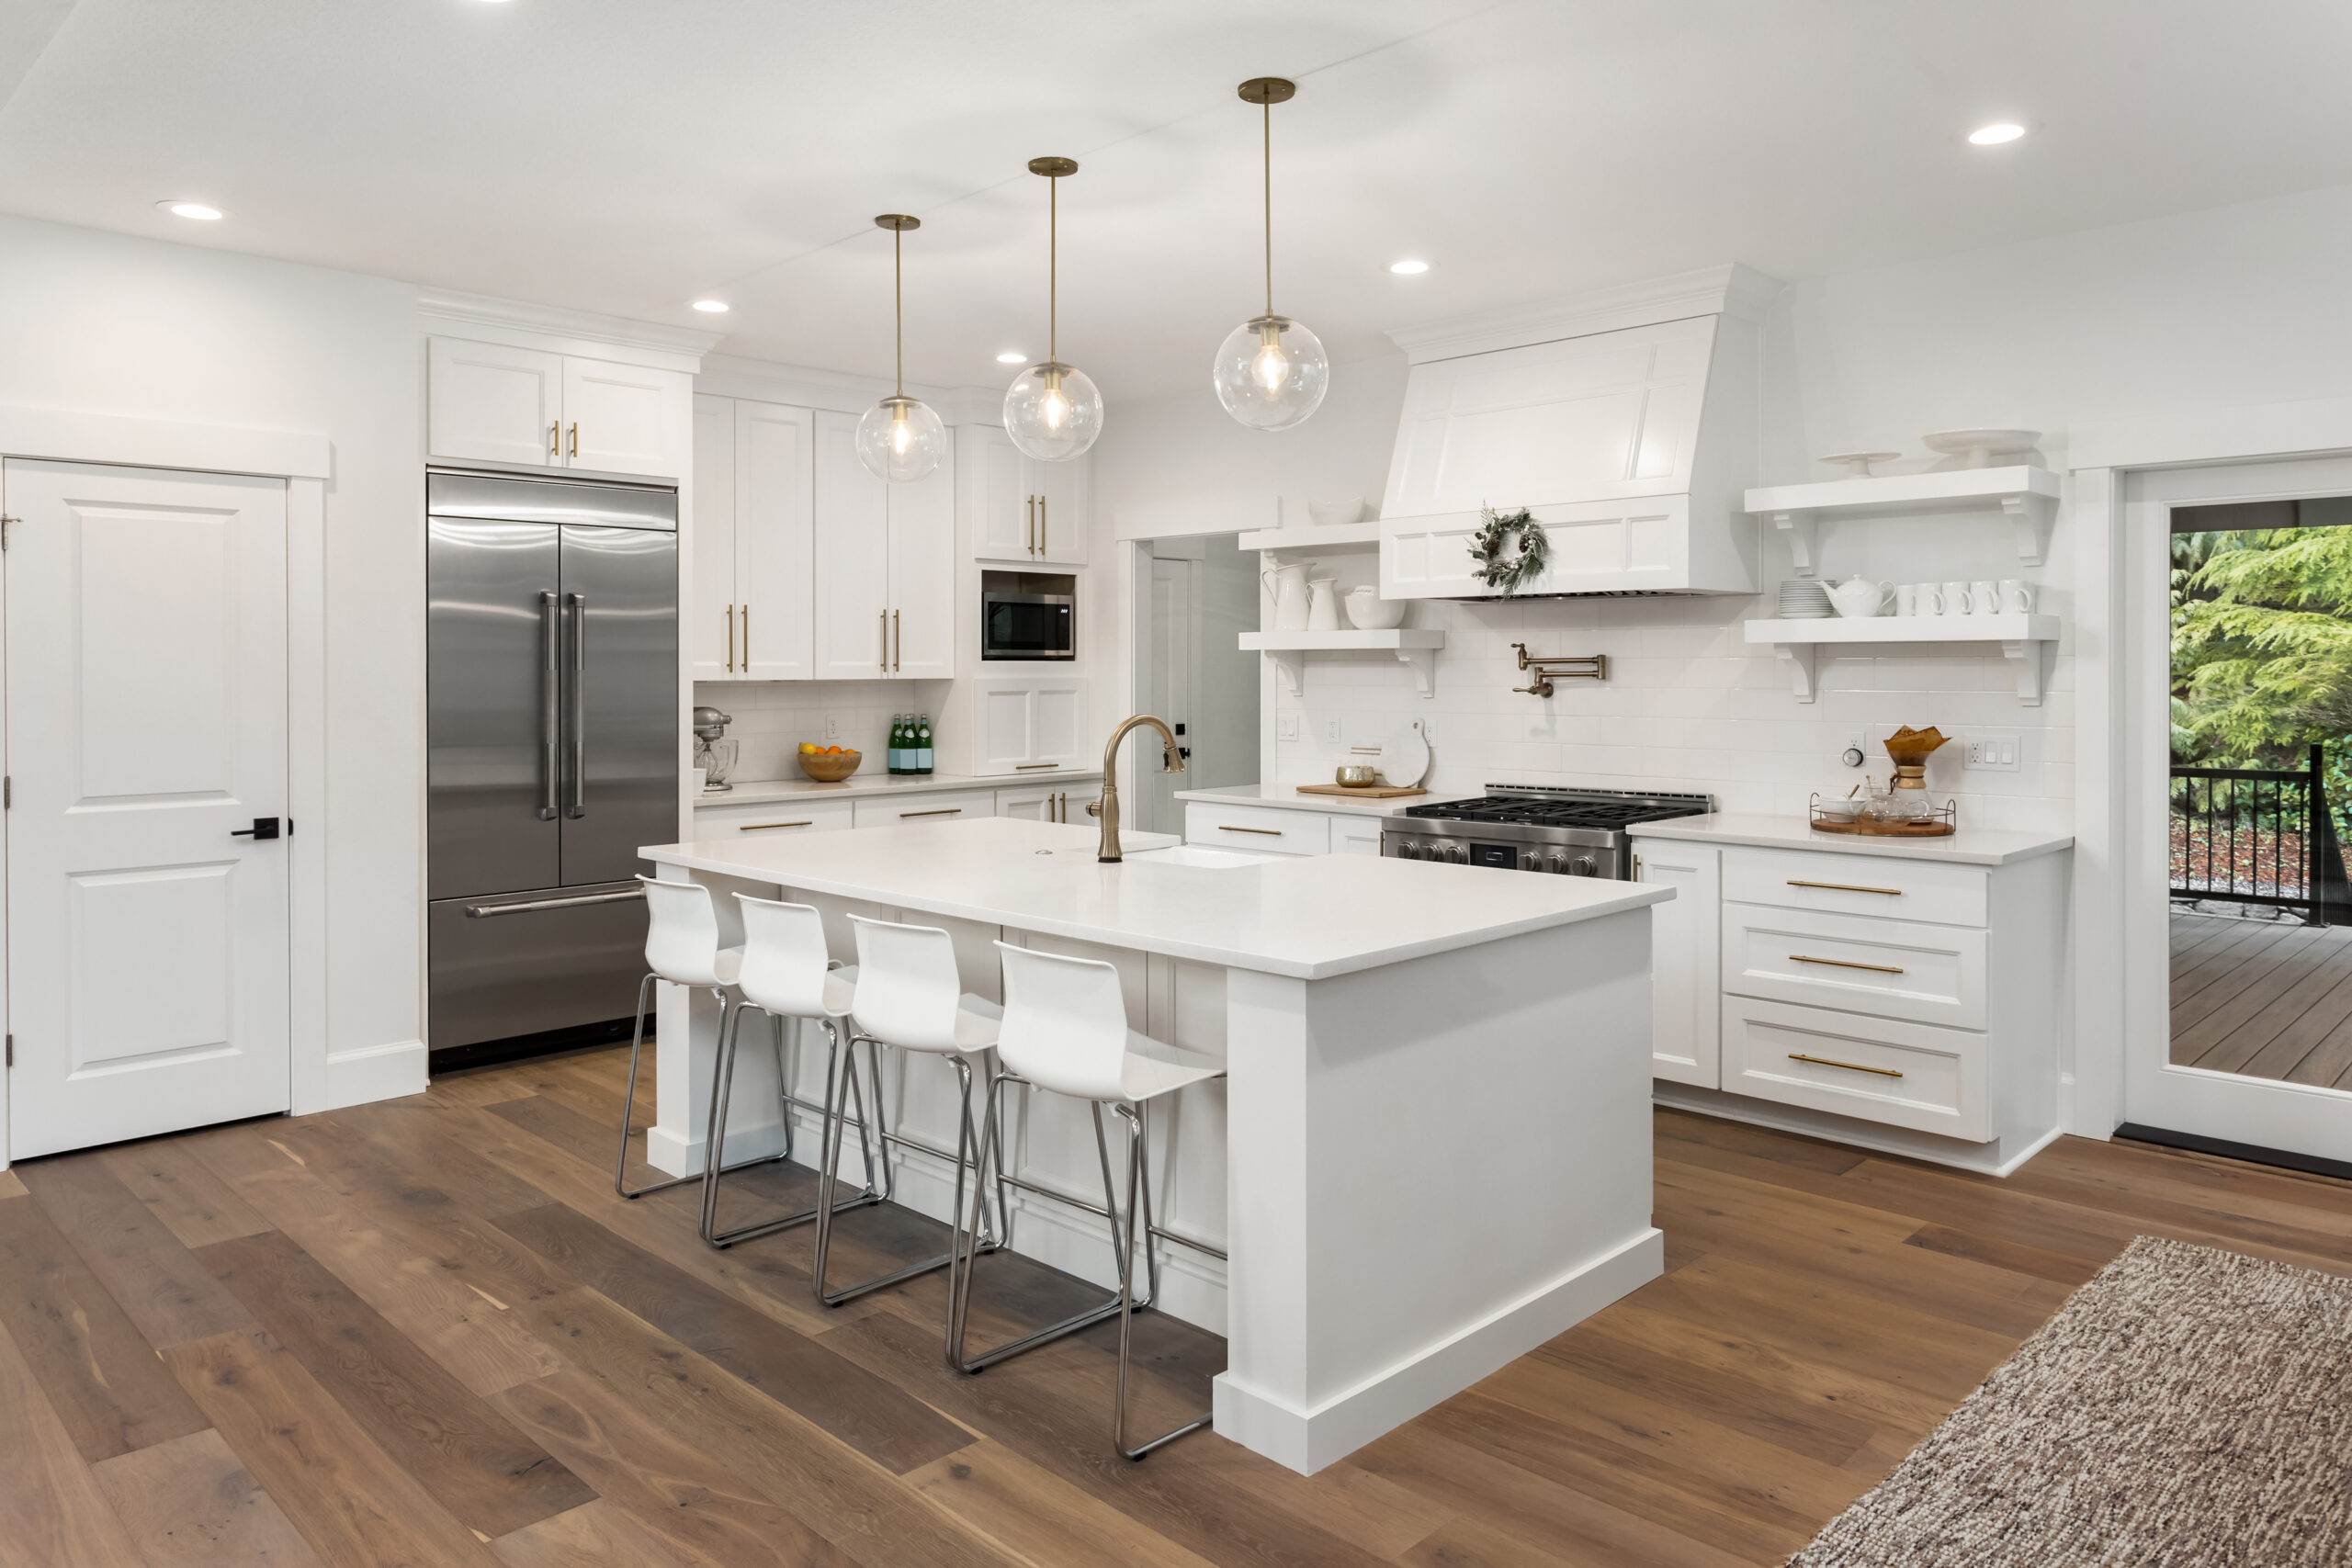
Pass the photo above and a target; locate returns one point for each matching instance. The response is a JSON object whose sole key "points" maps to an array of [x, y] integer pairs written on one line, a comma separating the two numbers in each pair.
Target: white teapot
{"points": [[1860, 596]]}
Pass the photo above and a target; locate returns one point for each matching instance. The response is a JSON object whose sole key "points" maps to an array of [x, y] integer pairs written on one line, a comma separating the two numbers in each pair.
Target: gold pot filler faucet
{"points": [[1107, 808]]}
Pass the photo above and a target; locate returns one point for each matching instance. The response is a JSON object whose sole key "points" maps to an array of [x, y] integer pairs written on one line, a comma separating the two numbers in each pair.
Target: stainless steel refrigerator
{"points": [[552, 748]]}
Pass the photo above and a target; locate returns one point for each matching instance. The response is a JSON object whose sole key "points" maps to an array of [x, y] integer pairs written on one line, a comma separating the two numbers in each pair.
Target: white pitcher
{"points": [[1288, 586], [1322, 605]]}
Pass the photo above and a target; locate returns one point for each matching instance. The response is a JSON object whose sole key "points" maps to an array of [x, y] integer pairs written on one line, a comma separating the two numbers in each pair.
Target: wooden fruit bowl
{"points": [[829, 767]]}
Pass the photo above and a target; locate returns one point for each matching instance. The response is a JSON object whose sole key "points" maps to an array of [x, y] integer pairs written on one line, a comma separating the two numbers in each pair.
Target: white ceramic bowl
{"points": [[1333, 513], [1373, 614]]}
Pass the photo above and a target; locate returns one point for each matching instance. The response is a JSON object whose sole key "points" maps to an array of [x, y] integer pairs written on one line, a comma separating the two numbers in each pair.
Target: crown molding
{"points": [[1731, 289], [583, 333]]}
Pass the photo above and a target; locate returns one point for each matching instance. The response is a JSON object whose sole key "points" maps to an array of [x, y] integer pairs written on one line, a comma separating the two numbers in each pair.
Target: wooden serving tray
{"points": [[1359, 792], [1889, 830]]}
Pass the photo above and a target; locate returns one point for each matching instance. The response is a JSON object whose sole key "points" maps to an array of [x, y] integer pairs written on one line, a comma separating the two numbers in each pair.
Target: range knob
{"points": [[1458, 853], [1584, 866]]}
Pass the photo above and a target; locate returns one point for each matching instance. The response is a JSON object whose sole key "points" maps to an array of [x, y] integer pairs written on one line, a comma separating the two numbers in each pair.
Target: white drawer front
{"points": [[1256, 828], [1907, 1074], [1856, 884], [905, 810], [770, 819], [1354, 835], [1895, 969]]}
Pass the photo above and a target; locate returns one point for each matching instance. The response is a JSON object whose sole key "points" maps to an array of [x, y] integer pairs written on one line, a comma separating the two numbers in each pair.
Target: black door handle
{"points": [[263, 827]]}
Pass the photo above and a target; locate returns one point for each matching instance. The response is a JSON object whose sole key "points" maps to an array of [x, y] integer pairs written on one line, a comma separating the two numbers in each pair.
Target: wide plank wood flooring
{"points": [[2264, 998], [427, 1333]]}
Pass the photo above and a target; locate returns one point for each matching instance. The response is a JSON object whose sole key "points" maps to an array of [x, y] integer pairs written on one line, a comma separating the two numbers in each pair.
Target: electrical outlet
{"points": [[1332, 730], [1996, 753], [1287, 726], [833, 727]]}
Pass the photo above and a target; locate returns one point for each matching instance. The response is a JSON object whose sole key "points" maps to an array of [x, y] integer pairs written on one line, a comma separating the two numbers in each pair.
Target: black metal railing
{"points": [[2255, 836]]}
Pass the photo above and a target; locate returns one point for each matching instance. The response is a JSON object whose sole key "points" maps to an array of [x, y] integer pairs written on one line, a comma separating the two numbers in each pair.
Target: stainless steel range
{"points": [[1566, 831]]}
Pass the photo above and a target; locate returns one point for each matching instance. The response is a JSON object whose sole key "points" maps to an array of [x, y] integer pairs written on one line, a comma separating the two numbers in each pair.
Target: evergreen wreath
{"points": [[1501, 567]]}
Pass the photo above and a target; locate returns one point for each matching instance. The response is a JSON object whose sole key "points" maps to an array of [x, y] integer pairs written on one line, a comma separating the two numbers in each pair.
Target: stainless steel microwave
{"points": [[1028, 614]]}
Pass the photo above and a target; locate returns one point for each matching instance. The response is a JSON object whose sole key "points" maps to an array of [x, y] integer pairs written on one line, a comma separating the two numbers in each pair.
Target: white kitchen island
{"points": [[1432, 1150]]}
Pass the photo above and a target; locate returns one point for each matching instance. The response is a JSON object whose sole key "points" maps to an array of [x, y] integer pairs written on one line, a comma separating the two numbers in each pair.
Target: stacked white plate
{"points": [[1806, 599]]}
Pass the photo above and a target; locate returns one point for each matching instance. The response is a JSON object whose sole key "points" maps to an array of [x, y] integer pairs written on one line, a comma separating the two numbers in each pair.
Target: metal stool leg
{"points": [[715, 1139], [966, 1149], [1139, 1225], [628, 1104]]}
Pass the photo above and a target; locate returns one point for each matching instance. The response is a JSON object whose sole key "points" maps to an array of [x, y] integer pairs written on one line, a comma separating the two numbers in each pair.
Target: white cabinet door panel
{"points": [[1001, 500], [146, 701], [1064, 499], [489, 403], [1058, 722], [712, 634], [772, 818], [1355, 835], [1894, 968], [853, 552], [1686, 1012], [1906, 1074], [922, 575], [623, 419], [1029, 723], [905, 810], [775, 544]]}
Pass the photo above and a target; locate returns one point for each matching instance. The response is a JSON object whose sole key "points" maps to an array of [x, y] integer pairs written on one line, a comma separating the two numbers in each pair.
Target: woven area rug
{"points": [[2188, 1408]]}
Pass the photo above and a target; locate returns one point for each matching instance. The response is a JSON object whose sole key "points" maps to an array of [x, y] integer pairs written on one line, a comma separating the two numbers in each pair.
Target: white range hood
{"points": [[1627, 420]]}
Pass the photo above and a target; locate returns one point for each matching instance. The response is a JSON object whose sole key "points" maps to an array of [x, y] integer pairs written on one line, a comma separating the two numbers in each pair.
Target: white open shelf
{"points": [[2023, 639], [1313, 537], [2026, 495], [1415, 646]]}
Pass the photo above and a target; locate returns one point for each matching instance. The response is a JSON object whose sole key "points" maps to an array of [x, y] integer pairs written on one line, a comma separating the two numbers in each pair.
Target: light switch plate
{"points": [[1287, 726], [1990, 752], [1332, 730]]}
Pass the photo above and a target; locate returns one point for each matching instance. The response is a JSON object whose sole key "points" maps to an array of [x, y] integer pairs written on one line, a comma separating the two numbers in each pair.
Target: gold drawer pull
{"points": [[1269, 832], [1032, 767], [1845, 963], [1850, 1067], [1847, 888], [757, 826], [936, 811]]}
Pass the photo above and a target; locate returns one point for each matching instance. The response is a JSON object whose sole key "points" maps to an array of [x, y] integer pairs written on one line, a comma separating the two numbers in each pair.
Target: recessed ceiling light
{"points": [[713, 307], [1994, 135], [1408, 267], [1012, 357], [195, 209]]}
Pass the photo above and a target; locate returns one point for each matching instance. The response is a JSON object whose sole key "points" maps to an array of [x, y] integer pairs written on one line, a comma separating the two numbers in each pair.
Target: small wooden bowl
{"points": [[827, 767]]}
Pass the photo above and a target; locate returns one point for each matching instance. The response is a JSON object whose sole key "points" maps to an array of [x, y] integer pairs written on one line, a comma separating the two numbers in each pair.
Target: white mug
{"points": [[2016, 595], [1985, 597], [1953, 600], [1907, 599]]}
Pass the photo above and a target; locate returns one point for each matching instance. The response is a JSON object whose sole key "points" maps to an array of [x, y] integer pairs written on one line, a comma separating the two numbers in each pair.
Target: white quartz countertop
{"points": [[753, 792], [1287, 796], [1970, 846], [1310, 917]]}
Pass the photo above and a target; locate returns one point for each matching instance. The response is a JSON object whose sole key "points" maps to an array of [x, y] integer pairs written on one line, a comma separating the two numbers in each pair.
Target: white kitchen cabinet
{"points": [[1024, 511], [1267, 829], [1684, 936], [944, 806], [1028, 723], [754, 614], [492, 403], [885, 580], [487, 402], [1354, 835], [772, 818], [1044, 803]]}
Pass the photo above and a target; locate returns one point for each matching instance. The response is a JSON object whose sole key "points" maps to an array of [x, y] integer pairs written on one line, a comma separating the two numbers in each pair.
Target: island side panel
{"points": [[1434, 1167]]}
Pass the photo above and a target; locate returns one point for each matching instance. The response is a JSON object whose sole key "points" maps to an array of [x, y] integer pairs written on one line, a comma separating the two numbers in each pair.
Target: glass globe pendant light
{"points": [[1271, 372], [899, 439], [1052, 412]]}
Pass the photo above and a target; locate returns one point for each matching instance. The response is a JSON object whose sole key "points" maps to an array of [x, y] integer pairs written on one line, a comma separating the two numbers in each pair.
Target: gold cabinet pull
{"points": [[1269, 832], [1042, 524], [898, 642], [1024, 767], [763, 827], [1844, 964], [885, 642], [575, 439], [1029, 535], [1850, 1067], [555, 439], [936, 811], [730, 640], [1847, 888], [747, 639]]}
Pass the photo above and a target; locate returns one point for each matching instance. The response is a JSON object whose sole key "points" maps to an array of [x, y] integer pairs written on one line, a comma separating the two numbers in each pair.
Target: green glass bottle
{"points": [[922, 744], [898, 744]]}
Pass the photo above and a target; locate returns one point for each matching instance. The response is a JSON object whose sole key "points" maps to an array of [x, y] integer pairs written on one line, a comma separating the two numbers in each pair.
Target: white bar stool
{"points": [[909, 994], [785, 972], [682, 947], [1066, 1031]]}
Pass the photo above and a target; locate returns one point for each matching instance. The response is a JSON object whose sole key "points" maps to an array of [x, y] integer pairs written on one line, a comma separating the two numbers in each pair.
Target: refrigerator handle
{"points": [[579, 803], [551, 719]]}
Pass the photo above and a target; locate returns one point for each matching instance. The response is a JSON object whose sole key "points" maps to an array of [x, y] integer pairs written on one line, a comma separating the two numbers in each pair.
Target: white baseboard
{"points": [[1306, 1441], [369, 1073]]}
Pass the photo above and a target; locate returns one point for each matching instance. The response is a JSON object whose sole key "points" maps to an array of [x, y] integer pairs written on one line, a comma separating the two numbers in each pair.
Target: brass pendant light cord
{"points": [[1268, 109], [1052, 265], [899, 305]]}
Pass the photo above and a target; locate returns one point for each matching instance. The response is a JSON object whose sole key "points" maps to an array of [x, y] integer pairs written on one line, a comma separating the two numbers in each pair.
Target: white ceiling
{"points": [[627, 157]]}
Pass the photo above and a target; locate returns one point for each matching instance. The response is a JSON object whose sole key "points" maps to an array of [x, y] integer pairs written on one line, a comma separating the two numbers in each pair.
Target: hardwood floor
{"points": [[2266, 998], [426, 1333]]}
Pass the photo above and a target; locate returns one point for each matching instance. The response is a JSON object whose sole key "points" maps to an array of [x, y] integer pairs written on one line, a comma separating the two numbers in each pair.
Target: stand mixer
{"points": [[714, 752]]}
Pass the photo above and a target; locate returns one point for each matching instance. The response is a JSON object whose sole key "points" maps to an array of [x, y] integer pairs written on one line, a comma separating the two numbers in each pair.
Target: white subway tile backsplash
{"points": [[772, 717]]}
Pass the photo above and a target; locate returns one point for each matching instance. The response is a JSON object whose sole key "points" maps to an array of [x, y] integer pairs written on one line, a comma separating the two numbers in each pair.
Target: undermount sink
{"points": [[1199, 856]]}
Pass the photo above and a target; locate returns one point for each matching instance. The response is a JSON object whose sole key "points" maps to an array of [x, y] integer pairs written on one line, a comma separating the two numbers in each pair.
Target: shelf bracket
{"points": [[1292, 662], [2032, 515], [1801, 528], [1422, 661], [1797, 662], [2027, 652]]}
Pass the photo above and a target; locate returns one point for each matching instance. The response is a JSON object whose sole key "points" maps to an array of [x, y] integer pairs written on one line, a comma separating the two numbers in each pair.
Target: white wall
{"points": [[106, 324], [2238, 306], [772, 717]]}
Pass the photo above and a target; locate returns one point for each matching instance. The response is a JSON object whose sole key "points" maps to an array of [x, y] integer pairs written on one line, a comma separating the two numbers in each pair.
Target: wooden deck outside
{"points": [[2269, 1000]]}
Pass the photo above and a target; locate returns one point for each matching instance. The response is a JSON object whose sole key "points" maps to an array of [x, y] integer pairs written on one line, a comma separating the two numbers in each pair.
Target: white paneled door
{"points": [[146, 739]]}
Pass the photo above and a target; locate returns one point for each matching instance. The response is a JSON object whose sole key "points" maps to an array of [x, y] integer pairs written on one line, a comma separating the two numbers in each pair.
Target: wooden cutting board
{"points": [[1369, 792]]}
